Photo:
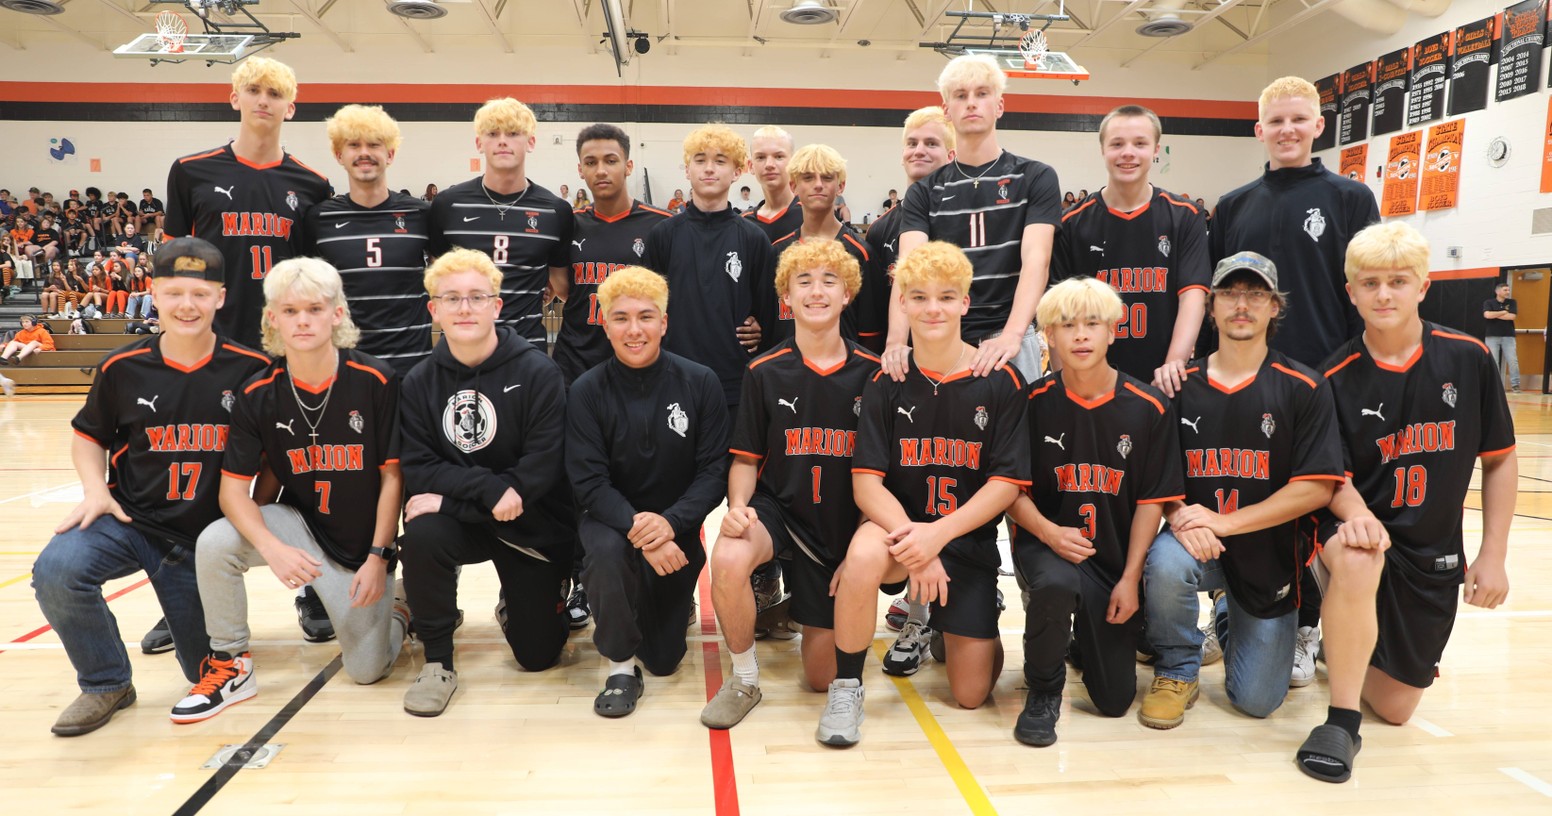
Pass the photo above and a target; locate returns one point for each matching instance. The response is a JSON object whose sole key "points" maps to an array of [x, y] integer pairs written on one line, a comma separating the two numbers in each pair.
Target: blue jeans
{"points": [[68, 577], [1503, 349], [1258, 657], [139, 303]]}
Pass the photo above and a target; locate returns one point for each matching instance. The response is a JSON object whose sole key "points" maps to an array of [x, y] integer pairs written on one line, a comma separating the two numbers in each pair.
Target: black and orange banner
{"points": [[1399, 196], [1355, 162], [1390, 85], [1330, 90], [1521, 33], [1357, 93], [1471, 58], [1440, 186], [1430, 75], [1546, 152]]}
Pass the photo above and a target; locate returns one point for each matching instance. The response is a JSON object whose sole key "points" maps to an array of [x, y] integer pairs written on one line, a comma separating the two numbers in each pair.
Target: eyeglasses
{"points": [[478, 300], [1255, 297]]}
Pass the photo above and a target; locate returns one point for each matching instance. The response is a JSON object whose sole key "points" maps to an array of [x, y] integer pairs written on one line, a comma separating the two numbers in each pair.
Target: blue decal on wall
{"points": [[60, 148]]}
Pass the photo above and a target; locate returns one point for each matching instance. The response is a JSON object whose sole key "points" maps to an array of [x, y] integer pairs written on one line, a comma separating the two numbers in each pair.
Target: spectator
{"points": [[744, 202], [1069, 201], [138, 289], [151, 211], [74, 231], [21, 239], [131, 246], [31, 339], [431, 192], [1083, 194], [98, 288], [96, 211], [53, 297], [122, 214], [891, 202], [676, 204], [47, 238], [582, 201], [7, 211]]}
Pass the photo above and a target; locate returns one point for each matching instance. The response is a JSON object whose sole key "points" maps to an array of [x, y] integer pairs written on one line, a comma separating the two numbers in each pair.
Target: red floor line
{"points": [[723, 781], [45, 627]]}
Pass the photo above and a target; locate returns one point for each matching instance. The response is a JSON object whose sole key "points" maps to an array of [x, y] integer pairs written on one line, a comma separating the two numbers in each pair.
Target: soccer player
{"points": [[646, 452], [482, 424], [1085, 526], [818, 175], [1148, 243], [161, 407], [525, 229], [248, 196], [376, 238], [330, 459], [790, 484], [1418, 406], [779, 212], [939, 457], [1001, 209], [1259, 435]]}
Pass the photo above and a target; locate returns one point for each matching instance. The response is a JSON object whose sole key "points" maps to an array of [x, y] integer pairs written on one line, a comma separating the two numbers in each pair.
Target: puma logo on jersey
{"points": [[793, 404], [1374, 412], [578, 244], [468, 218], [1192, 423], [889, 245], [226, 191], [149, 403], [1058, 441], [907, 414], [286, 426]]}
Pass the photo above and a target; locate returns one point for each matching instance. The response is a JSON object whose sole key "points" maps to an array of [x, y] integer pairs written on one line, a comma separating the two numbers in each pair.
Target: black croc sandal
{"points": [[621, 691], [1329, 746]]}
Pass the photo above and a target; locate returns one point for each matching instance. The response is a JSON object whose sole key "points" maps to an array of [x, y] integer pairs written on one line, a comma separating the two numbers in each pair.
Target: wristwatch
{"points": [[388, 554]]}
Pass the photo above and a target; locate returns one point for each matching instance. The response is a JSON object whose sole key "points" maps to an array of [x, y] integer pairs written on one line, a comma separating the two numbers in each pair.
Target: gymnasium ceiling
{"points": [[1104, 30]]}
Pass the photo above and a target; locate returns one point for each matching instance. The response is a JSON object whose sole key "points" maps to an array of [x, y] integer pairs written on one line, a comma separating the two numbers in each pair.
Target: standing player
{"points": [[790, 485], [1147, 243], [331, 459], [525, 229], [939, 457], [779, 212], [1085, 526], [161, 407], [377, 239], [1001, 209], [1259, 436], [1418, 406]]}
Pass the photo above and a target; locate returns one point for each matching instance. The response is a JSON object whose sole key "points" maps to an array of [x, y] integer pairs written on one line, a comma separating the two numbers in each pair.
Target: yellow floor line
{"points": [[18, 579]]}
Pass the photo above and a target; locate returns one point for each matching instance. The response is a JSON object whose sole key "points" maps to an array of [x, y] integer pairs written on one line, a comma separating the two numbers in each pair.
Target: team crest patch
{"points": [[1449, 394], [1002, 191], [678, 420], [533, 222], [398, 223], [356, 422], [1124, 447], [734, 267], [1268, 426], [1164, 245], [856, 406], [1315, 223], [639, 247], [227, 400], [469, 420], [980, 417], [291, 200]]}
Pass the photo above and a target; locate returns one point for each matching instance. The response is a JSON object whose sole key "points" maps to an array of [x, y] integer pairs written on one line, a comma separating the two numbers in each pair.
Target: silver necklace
{"points": [[942, 379], [501, 209], [975, 181], [312, 426]]}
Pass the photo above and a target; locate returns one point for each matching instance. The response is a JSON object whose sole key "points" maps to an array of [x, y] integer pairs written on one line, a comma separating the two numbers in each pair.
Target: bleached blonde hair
{"points": [[313, 279], [504, 115], [366, 123], [265, 73]]}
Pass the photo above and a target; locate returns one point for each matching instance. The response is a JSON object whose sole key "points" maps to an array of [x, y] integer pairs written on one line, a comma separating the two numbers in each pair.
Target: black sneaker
{"points": [[314, 619], [1037, 722], [766, 583], [578, 613], [158, 640]]}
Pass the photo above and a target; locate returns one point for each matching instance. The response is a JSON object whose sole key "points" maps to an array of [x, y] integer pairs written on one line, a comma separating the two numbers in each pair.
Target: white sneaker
{"points": [[905, 657], [8, 385], [841, 723], [1212, 650], [225, 682], [1304, 648]]}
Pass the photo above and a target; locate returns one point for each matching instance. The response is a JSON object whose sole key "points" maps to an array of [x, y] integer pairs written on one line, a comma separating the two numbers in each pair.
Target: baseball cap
{"points": [[1250, 261], [189, 258]]}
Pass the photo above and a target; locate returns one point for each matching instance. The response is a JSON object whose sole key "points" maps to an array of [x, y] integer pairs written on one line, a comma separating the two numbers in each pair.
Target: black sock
{"points": [[1345, 718], [848, 665], [446, 661]]}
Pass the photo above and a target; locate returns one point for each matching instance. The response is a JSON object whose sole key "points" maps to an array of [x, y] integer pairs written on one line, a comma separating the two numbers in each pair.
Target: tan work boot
{"points": [[90, 712], [1166, 702]]}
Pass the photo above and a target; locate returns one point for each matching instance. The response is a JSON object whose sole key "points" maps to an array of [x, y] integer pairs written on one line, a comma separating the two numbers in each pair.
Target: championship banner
{"points": [[1357, 92], [1328, 89], [1521, 34], [1390, 85], [1546, 152], [1430, 72], [1399, 195], [1471, 55], [1441, 166], [1355, 162]]}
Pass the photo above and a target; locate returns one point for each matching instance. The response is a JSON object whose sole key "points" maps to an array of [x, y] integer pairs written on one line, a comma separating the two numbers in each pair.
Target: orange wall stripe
{"points": [[1465, 274]]}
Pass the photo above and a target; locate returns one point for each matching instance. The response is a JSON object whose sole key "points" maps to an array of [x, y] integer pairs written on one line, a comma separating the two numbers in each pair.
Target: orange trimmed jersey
{"points": [[598, 247], [166, 428], [1411, 435], [936, 446], [252, 213], [790, 219], [329, 462], [800, 422], [1152, 255], [1094, 461], [781, 326], [1242, 444], [873, 303]]}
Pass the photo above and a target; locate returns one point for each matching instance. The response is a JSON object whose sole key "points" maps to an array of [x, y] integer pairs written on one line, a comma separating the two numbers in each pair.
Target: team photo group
{"points": [[875, 407]]}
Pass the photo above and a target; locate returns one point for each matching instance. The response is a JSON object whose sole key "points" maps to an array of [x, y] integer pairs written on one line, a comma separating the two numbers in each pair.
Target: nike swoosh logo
{"points": [[510, 387], [339, 225], [243, 682], [471, 218], [946, 198]]}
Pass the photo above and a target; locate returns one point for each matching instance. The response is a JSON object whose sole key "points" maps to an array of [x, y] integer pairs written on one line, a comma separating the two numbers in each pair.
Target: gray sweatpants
{"points": [[370, 637]]}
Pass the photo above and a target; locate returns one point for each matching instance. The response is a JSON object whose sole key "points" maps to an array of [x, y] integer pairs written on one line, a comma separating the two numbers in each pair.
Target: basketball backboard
{"points": [[1051, 65], [225, 48]]}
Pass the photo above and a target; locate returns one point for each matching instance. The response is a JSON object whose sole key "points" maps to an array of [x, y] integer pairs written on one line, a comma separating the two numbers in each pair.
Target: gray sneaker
{"points": [[90, 712], [905, 657], [731, 704], [841, 723], [429, 694], [1212, 650]]}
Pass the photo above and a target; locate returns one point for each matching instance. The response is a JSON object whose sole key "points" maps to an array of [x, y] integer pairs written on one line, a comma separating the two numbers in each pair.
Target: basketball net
{"points": [[1032, 45], [170, 31]]}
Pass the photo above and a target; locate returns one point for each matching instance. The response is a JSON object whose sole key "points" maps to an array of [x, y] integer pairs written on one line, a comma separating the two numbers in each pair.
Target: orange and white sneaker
{"points": [[225, 681]]}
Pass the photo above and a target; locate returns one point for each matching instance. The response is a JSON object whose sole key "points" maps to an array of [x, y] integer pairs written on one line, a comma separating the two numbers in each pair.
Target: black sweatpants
{"points": [[636, 612], [1067, 601], [433, 546]]}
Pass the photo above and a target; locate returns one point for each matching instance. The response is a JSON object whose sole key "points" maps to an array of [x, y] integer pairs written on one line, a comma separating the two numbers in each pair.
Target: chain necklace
{"points": [[975, 181], [940, 380], [312, 426], [501, 209]]}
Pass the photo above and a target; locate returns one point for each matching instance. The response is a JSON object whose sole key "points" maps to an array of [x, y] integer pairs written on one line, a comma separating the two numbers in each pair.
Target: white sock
{"points": [[627, 668], [746, 668]]}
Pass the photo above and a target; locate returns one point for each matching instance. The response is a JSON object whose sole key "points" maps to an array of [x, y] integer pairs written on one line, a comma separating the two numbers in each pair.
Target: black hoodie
{"points": [[471, 433]]}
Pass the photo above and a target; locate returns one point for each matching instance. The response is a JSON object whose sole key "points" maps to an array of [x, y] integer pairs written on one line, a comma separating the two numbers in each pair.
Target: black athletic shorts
{"points": [[972, 597], [807, 578]]}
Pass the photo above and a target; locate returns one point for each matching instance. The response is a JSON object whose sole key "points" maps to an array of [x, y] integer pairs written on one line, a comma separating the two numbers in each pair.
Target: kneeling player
{"points": [[646, 451], [1417, 405], [332, 458], [790, 484], [953, 447], [1093, 510]]}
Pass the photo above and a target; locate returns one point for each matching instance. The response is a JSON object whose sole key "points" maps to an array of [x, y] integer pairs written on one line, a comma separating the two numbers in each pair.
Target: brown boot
{"points": [[90, 712], [1166, 702]]}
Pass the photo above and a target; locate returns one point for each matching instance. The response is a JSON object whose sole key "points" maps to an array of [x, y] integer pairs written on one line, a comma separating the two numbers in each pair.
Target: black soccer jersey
{"points": [[380, 253], [1241, 445], [252, 213], [165, 428], [936, 446], [1081, 461], [790, 219], [984, 210], [1411, 436], [873, 303], [598, 247], [524, 235], [330, 462], [781, 327], [1152, 256], [800, 421]]}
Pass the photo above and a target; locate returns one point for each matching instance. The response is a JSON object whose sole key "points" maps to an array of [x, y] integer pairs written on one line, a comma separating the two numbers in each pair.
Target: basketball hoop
{"points": [[1033, 46], [170, 31]]}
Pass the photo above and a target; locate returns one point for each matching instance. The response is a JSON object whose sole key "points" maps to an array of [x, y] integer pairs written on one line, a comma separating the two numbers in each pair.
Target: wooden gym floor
{"points": [[529, 743]]}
